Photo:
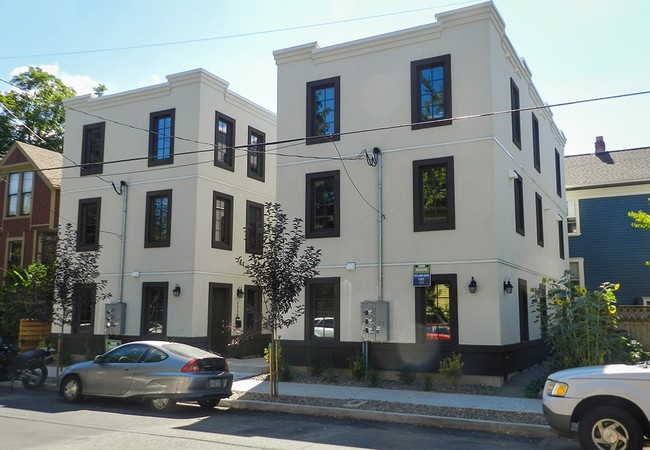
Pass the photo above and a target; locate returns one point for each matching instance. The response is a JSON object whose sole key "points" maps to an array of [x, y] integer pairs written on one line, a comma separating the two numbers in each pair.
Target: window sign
{"points": [[421, 275]]}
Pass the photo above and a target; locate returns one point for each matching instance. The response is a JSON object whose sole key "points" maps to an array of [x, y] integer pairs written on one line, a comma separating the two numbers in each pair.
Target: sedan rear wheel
{"points": [[208, 404], [162, 404], [71, 390]]}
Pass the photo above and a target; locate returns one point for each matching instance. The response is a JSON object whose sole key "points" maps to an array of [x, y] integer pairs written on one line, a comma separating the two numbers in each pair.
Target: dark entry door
{"points": [[219, 316]]}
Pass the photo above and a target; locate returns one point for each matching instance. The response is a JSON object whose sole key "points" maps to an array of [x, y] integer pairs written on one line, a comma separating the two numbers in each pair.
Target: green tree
{"points": [[280, 270], [641, 220], [36, 106], [73, 269]]}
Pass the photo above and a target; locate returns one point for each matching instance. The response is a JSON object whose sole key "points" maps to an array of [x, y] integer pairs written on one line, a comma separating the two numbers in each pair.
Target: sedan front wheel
{"points": [[162, 404], [609, 427], [71, 390]]}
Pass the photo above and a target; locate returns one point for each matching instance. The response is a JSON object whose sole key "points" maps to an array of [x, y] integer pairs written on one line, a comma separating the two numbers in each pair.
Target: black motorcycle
{"points": [[28, 367]]}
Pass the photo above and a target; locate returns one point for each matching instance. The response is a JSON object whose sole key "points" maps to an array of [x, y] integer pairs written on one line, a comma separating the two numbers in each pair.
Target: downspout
{"points": [[125, 199], [380, 230]]}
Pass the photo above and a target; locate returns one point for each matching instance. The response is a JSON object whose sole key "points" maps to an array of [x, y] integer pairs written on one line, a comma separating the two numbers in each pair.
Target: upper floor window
{"points": [[323, 205], [158, 221], [256, 140], [224, 142], [222, 221], [431, 92], [515, 116], [88, 219], [254, 227], [536, 150], [539, 213], [323, 110], [573, 216], [14, 253], [161, 137], [519, 205], [560, 235], [19, 193], [558, 173], [92, 152], [433, 194]]}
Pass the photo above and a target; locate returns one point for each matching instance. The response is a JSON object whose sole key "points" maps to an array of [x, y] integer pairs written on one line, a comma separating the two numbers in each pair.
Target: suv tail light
{"points": [[191, 367]]}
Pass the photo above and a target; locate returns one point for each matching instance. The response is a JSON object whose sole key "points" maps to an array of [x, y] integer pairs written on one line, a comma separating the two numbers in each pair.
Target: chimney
{"points": [[600, 145]]}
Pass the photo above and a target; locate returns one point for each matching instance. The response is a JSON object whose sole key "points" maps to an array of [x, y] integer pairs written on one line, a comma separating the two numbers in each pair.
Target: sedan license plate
{"points": [[215, 382]]}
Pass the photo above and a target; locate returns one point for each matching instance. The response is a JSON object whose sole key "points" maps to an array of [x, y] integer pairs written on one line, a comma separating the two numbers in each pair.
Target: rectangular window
{"points": [[322, 312], [323, 205], [573, 217], [515, 116], [436, 311], [254, 227], [88, 220], [323, 110], [19, 194], [536, 150], [222, 221], [558, 173], [252, 310], [158, 220], [92, 152], [524, 334], [539, 213], [154, 309], [433, 194], [577, 269], [519, 205], [224, 142], [560, 235], [161, 137], [14, 254], [431, 92], [256, 150], [83, 309]]}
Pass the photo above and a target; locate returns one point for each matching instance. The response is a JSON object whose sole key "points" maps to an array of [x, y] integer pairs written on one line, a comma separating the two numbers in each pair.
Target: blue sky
{"points": [[576, 49]]}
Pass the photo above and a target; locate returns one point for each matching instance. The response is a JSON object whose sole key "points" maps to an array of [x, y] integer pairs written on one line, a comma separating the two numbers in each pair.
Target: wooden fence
{"points": [[32, 333], [636, 321]]}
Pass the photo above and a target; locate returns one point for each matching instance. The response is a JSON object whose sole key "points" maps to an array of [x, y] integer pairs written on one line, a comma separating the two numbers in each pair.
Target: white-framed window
{"points": [[573, 217], [577, 269]]}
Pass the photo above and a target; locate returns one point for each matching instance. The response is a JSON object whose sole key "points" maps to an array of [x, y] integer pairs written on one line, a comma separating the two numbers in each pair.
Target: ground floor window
{"points": [[436, 311], [253, 310], [322, 309], [154, 309], [83, 309]]}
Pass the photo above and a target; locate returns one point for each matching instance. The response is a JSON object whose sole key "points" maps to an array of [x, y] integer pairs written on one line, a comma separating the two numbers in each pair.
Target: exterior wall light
{"points": [[507, 286], [240, 292], [176, 291], [472, 286]]}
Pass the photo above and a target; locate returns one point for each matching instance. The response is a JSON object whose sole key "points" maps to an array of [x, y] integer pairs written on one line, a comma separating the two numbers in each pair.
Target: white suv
{"points": [[610, 404]]}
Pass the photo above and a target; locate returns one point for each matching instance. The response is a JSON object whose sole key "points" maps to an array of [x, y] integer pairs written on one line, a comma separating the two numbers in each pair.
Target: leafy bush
{"points": [[316, 363], [428, 382], [330, 376], [372, 376], [580, 327], [406, 376], [357, 366], [451, 368]]}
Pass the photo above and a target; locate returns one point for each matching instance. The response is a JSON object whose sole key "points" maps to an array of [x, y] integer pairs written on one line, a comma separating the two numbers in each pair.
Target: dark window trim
{"points": [[416, 66], [560, 232], [229, 220], [310, 233], [148, 243], [312, 138], [89, 167], [524, 333], [558, 174], [259, 245], [261, 149], [418, 218], [254, 329], [309, 313], [420, 313], [515, 115], [536, 149], [153, 117], [75, 325], [520, 217], [539, 212], [82, 245], [144, 326], [230, 137]]}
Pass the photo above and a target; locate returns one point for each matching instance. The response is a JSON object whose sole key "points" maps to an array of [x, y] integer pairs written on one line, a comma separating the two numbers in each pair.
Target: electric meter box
{"points": [[375, 323], [115, 314]]}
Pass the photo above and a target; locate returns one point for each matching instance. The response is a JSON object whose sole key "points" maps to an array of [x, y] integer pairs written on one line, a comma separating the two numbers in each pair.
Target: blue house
{"points": [[602, 188]]}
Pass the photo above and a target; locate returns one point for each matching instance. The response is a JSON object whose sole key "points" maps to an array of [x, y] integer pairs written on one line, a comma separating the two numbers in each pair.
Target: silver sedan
{"points": [[161, 373]]}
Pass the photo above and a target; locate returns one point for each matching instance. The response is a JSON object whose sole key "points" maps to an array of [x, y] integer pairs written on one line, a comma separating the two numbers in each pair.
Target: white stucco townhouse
{"points": [[470, 197], [162, 180]]}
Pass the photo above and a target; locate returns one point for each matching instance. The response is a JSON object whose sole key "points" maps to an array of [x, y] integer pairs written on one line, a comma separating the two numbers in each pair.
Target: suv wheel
{"points": [[609, 427]]}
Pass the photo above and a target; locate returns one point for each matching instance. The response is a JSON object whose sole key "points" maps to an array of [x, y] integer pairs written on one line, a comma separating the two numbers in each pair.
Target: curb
{"points": [[520, 429]]}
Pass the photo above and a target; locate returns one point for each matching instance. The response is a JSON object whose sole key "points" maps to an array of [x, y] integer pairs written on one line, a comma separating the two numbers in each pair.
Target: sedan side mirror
{"points": [[99, 359]]}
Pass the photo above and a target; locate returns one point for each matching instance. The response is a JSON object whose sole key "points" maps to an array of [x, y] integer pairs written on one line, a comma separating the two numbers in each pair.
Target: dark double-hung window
{"points": [[254, 227], [536, 149], [88, 220], [256, 161], [323, 110], [431, 92], [222, 221], [539, 212], [161, 137], [515, 116], [154, 309], [83, 309], [323, 309], [433, 194], [92, 151], [158, 220], [323, 205], [520, 226], [224, 142]]}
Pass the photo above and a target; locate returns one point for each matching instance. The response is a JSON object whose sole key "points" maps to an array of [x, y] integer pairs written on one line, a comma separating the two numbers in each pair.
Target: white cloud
{"points": [[82, 84]]}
